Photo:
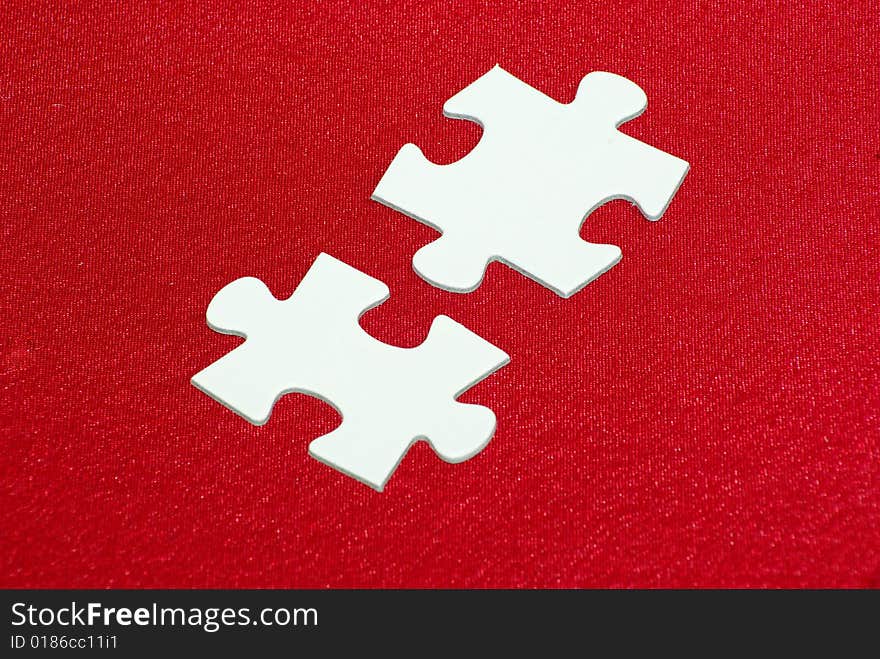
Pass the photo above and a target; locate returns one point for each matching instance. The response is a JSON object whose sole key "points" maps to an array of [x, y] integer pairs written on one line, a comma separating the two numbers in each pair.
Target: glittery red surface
{"points": [[704, 414]]}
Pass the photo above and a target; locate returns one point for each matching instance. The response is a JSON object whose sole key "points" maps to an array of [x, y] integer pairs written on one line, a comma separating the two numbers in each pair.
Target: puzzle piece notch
{"points": [[388, 396], [521, 195]]}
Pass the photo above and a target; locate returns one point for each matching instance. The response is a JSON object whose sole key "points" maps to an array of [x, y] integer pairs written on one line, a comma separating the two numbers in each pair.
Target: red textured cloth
{"points": [[704, 414]]}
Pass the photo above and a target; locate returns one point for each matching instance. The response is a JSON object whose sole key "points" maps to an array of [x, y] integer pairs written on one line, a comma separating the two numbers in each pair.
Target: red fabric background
{"points": [[704, 414]]}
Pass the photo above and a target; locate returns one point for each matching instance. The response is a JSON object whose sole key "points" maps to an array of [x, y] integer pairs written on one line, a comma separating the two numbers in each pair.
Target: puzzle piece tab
{"points": [[521, 195], [388, 396]]}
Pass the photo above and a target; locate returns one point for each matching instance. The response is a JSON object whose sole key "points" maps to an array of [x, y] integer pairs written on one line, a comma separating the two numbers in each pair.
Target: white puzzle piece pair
{"points": [[520, 196]]}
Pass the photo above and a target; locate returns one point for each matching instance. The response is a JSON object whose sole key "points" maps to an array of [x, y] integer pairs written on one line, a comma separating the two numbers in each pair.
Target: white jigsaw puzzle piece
{"points": [[521, 195], [388, 396]]}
